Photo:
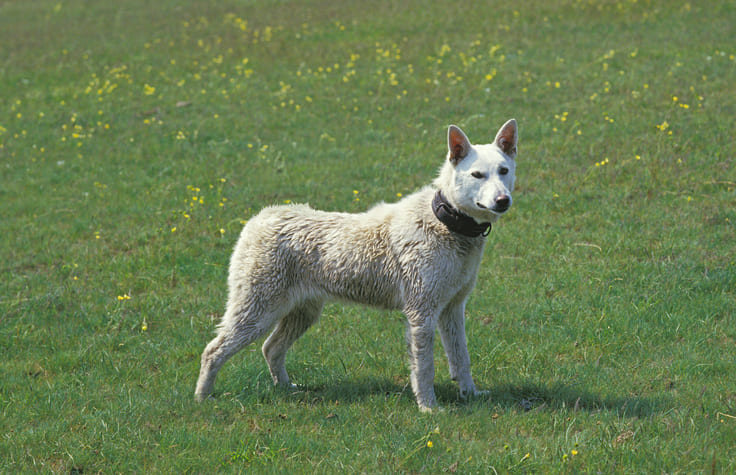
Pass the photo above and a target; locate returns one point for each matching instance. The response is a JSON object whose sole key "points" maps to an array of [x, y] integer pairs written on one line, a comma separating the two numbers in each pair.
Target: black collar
{"points": [[456, 220]]}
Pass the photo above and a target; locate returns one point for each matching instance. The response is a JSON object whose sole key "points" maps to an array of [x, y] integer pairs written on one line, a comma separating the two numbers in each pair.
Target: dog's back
{"points": [[294, 251]]}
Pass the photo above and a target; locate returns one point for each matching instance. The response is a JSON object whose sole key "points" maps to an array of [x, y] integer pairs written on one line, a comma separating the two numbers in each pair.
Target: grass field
{"points": [[136, 138]]}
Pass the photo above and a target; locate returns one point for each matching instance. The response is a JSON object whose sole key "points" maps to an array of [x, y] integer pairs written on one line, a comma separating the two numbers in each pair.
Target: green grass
{"points": [[603, 319]]}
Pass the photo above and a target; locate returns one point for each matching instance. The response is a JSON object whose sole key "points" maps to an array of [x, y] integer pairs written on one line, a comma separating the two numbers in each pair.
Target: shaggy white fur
{"points": [[290, 259]]}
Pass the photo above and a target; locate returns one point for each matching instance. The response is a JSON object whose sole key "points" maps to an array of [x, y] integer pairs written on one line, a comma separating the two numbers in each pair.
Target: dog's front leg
{"points": [[452, 334], [420, 339]]}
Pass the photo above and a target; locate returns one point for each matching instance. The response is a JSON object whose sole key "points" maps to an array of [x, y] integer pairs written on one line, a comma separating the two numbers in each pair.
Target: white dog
{"points": [[420, 255]]}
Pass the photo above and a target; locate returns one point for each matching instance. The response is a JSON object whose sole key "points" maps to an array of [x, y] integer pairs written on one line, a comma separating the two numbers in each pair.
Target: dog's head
{"points": [[481, 176]]}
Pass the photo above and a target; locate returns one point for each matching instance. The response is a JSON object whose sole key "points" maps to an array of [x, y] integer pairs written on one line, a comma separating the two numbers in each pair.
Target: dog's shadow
{"points": [[524, 397], [527, 397]]}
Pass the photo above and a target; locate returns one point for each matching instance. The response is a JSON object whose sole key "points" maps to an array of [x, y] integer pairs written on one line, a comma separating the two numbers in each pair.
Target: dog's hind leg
{"points": [[239, 328], [287, 331]]}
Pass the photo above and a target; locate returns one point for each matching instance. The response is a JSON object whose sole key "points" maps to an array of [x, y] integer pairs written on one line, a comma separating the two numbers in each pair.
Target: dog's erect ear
{"points": [[507, 137], [457, 144]]}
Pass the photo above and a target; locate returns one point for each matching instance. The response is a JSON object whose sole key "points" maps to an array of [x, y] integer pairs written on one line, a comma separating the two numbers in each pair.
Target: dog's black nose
{"points": [[502, 203]]}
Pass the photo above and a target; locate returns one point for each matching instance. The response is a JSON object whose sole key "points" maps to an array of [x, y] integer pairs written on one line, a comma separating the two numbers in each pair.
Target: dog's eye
{"points": [[477, 175], [503, 171]]}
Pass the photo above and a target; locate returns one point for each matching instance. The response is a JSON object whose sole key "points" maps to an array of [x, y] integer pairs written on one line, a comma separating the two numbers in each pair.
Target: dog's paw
{"points": [[201, 397], [431, 410], [473, 394], [288, 387], [467, 393]]}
